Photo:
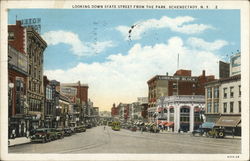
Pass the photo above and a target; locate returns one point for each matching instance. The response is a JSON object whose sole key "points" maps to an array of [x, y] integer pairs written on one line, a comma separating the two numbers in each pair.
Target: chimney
{"points": [[18, 23], [203, 73]]}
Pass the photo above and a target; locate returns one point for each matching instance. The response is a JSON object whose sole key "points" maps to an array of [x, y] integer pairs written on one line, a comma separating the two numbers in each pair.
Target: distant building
{"points": [[115, 112]]}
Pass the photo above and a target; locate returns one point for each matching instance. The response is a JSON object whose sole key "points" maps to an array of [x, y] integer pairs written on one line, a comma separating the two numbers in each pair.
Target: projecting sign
{"points": [[35, 23], [68, 91]]}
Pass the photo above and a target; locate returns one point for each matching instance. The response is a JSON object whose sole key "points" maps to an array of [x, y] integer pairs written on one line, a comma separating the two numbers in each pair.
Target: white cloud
{"points": [[123, 78], [209, 46], [177, 24], [78, 47]]}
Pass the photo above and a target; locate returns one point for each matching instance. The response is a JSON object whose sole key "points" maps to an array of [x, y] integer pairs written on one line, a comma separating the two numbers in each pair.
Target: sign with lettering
{"points": [[35, 23], [68, 91]]}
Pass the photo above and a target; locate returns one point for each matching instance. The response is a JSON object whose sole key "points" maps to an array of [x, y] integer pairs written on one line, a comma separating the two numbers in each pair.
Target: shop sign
{"points": [[35, 23]]}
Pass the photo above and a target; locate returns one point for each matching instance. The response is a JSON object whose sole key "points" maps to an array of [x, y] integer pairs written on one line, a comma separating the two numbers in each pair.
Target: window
{"points": [[225, 92], [216, 107], [239, 106], [239, 90], [225, 107], [209, 107], [174, 85], [231, 92], [11, 36], [209, 93], [231, 107], [216, 92]]}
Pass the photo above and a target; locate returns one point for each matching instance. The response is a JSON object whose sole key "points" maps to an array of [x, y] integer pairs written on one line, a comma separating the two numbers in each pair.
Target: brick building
{"points": [[181, 83], [17, 81]]}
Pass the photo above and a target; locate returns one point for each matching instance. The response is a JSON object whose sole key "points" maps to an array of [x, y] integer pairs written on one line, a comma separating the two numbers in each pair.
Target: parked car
{"points": [[198, 131], [67, 131], [134, 128], [89, 126], [59, 133], [154, 129], [40, 135], [216, 133], [80, 128]]}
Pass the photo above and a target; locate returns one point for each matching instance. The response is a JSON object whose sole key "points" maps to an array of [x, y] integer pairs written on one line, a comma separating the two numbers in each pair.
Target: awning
{"points": [[239, 125], [207, 125], [228, 121], [163, 123], [169, 124]]}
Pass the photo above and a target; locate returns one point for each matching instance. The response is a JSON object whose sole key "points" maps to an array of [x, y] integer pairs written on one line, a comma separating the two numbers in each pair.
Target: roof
{"points": [[74, 84], [225, 80]]}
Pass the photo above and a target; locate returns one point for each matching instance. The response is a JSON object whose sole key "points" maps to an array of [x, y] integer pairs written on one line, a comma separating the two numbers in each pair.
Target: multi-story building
{"points": [[115, 112], [62, 111], [181, 83], [26, 40], [180, 112], [223, 103], [48, 103], [35, 93], [223, 99], [123, 112], [17, 80]]}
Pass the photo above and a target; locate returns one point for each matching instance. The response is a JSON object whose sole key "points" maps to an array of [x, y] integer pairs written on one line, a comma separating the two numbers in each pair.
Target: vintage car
{"points": [[41, 135], [80, 128], [68, 132], [216, 133], [59, 132], [199, 131], [133, 128]]}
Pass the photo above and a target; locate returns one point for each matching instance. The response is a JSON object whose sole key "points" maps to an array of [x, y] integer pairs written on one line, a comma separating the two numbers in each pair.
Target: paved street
{"points": [[98, 140]]}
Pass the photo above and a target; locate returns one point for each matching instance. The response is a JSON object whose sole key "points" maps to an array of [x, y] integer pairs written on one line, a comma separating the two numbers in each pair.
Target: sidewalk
{"points": [[170, 132], [19, 141]]}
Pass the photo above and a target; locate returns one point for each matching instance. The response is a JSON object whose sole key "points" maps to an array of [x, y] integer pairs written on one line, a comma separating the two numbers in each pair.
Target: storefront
{"points": [[232, 124]]}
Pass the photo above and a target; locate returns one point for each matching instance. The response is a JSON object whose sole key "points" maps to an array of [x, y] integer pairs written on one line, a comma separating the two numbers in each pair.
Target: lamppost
{"points": [[10, 99]]}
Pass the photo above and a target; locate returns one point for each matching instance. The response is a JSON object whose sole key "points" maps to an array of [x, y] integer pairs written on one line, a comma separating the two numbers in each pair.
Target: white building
{"points": [[180, 112]]}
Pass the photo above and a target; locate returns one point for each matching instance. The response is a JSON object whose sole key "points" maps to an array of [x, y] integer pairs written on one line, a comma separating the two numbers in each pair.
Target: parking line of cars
{"points": [[49, 134]]}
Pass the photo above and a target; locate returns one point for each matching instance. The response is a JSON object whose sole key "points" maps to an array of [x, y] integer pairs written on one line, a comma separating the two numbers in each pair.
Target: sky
{"points": [[116, 51]]}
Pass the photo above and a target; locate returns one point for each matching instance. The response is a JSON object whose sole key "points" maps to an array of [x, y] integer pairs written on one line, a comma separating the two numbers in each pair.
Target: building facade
{"points": [[17, 93], [181, 83], [223, 103], [180, 113], [35, 93]]}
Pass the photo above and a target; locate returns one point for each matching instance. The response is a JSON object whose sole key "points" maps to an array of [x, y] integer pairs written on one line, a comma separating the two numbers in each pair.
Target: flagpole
{"points": [[178, 77]]}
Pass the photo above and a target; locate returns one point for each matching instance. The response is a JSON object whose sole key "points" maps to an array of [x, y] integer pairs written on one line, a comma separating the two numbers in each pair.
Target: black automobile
{"points": [[88, 126], [41, 135], [59, 132], [199, 131], [67, 132]]}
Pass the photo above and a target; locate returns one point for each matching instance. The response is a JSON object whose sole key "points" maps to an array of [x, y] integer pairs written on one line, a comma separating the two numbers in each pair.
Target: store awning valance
{"points": [[228, 121], [169, 124], [207, 125]]}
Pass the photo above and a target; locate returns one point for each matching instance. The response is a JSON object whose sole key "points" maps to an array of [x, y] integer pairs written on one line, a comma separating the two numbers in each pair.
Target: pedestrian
{"points": [[141, 129], [13, 134], [104, 127], [27, 134], [179, 130]]}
